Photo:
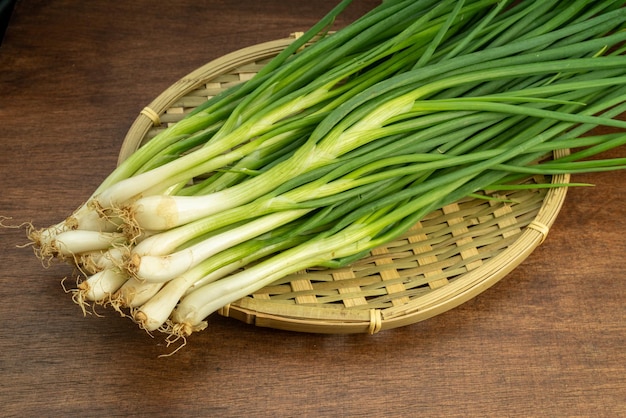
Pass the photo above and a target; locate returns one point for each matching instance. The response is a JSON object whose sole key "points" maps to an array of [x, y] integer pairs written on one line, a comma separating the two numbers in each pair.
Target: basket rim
{"points": [[325, 319]]}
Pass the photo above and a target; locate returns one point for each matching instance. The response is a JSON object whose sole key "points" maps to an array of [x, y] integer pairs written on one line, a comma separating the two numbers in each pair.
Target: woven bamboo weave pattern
{"points": [[434, 252], [450, 256]]}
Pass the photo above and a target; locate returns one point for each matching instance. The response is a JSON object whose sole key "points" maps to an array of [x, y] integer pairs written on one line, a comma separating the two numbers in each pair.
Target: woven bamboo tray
{"points": [[449, 257]]}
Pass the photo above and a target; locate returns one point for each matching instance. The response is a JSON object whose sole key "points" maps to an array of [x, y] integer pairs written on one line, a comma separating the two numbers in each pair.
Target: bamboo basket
{"points": [[449, 257]]}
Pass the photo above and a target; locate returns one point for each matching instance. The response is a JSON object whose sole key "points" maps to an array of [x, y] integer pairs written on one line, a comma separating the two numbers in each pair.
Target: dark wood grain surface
{"points": [[548, 340]]}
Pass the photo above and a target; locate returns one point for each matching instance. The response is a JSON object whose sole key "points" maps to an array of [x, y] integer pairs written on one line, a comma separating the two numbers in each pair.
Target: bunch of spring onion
{"points": [[340, 146]]}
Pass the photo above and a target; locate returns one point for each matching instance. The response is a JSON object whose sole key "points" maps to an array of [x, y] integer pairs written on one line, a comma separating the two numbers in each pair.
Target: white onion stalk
{"points": [[193, 308], [158, 269], [71, 243], [94, 261], [155, 312], [134, 293], [87, 217], [100, 286]]}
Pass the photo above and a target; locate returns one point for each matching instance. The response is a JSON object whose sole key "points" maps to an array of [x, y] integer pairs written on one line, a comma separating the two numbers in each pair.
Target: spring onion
{"points": [[343, 142]]}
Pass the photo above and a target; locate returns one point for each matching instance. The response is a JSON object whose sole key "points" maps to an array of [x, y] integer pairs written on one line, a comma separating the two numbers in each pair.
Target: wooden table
{"points": [[548, 340]]}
